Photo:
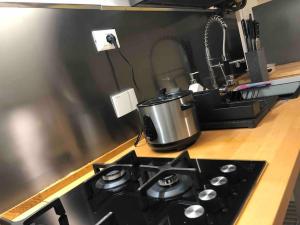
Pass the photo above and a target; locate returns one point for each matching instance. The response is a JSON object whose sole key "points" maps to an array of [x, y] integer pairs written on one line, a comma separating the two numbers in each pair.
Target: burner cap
{"points": [[180, 185], [229, 168], [218, 181], [113, 179], [113, 175], [168, 180], [194, 211], [207, 195]]}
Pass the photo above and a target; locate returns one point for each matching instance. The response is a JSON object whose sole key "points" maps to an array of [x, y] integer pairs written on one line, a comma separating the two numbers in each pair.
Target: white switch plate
{"points": [[124, 102], [101, 43]]}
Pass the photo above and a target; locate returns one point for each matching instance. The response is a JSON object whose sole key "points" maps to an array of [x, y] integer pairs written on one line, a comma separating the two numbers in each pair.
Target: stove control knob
{"points": [[231, 172], [219, 181], [194, 211], [229, 168], [220, 184], [195, 214], [208, 198]]}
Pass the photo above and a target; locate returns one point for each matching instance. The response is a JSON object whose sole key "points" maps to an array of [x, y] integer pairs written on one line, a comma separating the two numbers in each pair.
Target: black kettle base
{"points": [[177, 145]]}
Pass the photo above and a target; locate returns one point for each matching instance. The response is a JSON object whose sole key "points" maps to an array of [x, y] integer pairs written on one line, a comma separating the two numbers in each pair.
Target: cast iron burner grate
{"points": [[179, 170], [170, 188]]}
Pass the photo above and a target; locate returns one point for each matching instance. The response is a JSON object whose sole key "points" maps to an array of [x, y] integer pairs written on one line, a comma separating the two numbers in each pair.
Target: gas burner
{"points": [[172, 179], [109, 179], [219, 181], [163, 189], [194, 211], [229, 168], [207, 195], [168, 180], [113, 175], [112, 180]]}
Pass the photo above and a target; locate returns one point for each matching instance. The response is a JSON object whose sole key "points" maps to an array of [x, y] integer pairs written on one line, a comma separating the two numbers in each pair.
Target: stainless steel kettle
{"points": [[169, 121]]}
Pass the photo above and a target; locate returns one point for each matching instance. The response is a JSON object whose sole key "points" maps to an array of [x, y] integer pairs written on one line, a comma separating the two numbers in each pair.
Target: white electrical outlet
{"points": [[101, 43], [124, 102]]}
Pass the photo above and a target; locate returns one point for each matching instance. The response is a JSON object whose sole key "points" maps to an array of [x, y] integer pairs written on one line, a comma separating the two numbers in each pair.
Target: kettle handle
{"points": [[162, 92], [187, 106], [149, 128]]}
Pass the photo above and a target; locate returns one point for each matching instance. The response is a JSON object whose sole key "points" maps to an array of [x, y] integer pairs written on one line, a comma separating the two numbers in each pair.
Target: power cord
{"points": [[113, 71], [138, 138], [110, 38]]}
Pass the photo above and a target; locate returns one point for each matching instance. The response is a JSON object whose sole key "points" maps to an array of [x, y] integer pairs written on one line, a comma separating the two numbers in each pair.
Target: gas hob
{"points": [[156, 191]]}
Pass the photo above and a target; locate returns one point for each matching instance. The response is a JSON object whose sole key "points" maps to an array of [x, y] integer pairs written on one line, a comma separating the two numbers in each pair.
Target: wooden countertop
{"points": [[275, 140], [285, 70]]}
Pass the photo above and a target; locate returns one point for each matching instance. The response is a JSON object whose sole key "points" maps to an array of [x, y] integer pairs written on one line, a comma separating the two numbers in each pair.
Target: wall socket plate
{"points": [[124, 102], [101, 43]]}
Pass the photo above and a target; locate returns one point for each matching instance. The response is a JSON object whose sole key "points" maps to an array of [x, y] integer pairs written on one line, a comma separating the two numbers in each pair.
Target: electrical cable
{"points": [[113, 70], [138, 138], [112, 40], [131, 68]]}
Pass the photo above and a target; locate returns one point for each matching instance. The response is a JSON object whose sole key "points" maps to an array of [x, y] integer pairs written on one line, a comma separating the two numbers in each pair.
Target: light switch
{"points": [[124, 102], [133, 98]]}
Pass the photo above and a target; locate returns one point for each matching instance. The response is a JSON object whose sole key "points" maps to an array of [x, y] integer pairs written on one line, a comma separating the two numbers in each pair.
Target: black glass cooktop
{"points": [[156, 191]]}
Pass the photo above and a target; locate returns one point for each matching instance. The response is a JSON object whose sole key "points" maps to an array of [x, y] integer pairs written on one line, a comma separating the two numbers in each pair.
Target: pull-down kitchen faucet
{"points": [[228, 77]]}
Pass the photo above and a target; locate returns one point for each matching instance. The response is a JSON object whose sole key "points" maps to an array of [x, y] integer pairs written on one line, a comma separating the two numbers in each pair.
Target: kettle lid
{"points": [[164, 97]]}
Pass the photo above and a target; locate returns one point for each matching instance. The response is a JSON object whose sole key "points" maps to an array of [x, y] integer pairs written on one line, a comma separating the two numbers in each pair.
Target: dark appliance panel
{"points": [[157, 191]]}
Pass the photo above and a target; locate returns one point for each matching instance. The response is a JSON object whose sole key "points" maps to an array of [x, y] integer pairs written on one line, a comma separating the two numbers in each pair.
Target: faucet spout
{"points": [[218, 20]]}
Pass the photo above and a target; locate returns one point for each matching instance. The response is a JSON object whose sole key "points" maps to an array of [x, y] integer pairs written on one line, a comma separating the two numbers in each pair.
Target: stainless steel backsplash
{"points": [[55, 109], [276, 18]]}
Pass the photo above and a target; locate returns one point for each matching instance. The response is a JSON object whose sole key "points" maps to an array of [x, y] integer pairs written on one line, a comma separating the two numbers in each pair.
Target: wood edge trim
{"points": [[58, 185], [111, 154], [280, 215]]}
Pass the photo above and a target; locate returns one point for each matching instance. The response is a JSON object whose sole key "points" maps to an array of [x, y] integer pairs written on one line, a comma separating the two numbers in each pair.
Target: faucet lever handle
{"points": [[227, 69]]}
